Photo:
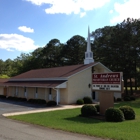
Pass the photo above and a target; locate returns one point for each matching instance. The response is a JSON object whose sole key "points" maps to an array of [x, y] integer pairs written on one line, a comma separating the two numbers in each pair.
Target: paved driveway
{"points": [[14, 130]]}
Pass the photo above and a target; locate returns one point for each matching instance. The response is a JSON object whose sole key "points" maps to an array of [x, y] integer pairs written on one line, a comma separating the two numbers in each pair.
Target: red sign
{"points": [[106, 78]]}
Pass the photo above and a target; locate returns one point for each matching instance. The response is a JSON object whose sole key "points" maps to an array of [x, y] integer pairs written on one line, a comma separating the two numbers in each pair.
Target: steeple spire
{"points": [[88, 54]]}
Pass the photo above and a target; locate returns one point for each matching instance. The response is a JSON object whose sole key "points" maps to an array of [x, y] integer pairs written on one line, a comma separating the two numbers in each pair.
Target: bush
{"points": [[80, 102], [132, 98], [2, 96], [127, 98], [12, 98], [51, 103], [33, 101], [41, 101], [119, 99], [97, 107], [114, 115], [128, 112], [87, 100], [88, 110], [22, 99], [37, 101]]}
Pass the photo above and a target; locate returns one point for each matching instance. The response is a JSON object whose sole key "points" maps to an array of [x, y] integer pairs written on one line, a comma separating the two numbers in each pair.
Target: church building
{"points": [[64, 84]]}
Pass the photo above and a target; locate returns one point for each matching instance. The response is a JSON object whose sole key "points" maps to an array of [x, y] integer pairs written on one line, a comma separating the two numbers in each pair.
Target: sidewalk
{"points": [[60, 107]]}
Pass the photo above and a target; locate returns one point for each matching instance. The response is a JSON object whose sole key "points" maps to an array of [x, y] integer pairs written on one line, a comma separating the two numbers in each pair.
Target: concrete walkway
{"points": [[60, 107]]}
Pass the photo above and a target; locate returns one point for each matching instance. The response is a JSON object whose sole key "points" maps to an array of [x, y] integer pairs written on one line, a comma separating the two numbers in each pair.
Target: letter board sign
{"points": [[107, 81]]}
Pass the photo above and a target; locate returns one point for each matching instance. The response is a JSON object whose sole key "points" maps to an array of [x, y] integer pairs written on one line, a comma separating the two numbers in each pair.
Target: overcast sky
{"points": [[28, 24]]}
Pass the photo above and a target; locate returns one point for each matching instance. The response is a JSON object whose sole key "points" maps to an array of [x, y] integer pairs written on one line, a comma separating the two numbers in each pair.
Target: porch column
{"points": [[57, 95], [50, 94]]}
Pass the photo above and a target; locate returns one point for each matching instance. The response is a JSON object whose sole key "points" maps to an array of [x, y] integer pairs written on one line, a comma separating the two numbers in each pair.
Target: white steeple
{"points": [[88, 54]]}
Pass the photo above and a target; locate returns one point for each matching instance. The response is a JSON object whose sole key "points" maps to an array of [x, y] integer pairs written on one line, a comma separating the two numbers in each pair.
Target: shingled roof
{"points": [[56, 72]]}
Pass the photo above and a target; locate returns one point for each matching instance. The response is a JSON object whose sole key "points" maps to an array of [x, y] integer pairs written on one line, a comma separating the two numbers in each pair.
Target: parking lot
{"points": [[8, 106], [15, 130]]}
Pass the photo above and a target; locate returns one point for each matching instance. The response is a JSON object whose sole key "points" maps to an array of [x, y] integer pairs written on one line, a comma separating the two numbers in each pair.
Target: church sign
{"points": [[107, 81]]}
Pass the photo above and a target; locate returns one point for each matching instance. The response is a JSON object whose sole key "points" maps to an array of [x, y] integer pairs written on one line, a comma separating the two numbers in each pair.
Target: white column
{"points": [[57, 95]]}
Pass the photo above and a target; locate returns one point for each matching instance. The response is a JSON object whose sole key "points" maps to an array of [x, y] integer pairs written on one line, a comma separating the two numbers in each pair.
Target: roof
{"points": [[56, 72], [47, 84], [3, 80], [48, 77]]}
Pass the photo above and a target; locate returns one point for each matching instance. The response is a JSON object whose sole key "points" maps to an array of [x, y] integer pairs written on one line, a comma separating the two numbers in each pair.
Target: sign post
{"points": [[106, 84]]}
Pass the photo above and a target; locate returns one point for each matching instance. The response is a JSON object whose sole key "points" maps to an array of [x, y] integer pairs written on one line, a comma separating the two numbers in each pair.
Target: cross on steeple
{"points": [[88, 54]]}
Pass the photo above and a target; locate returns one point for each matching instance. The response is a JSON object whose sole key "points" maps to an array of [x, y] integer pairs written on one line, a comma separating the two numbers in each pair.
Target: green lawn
{"points": [[68, 120]]}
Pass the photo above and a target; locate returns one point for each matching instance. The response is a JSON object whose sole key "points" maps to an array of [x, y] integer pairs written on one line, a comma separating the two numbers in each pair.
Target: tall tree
{"points": [[74, 50], [117, 47]]}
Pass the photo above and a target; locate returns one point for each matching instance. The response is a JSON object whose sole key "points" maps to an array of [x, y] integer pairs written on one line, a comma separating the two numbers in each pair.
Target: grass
{"points": [[68, 120]]}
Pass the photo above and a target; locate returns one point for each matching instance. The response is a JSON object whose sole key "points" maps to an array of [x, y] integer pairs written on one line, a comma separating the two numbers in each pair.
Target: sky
{"points": [[28, 24]]}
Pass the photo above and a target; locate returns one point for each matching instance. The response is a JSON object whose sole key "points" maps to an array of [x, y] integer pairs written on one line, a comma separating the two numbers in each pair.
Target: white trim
{"points": [[96, 63], [63, 85], [105, 67], [40, 79]]}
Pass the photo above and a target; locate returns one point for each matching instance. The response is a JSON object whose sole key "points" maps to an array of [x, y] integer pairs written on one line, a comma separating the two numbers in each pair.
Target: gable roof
{"points": [[61, 73], [48, 77], [3, 80]]}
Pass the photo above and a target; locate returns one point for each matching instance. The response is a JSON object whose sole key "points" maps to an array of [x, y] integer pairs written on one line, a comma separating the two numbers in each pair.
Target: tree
{"points": [[117, 47], [74, 50]]}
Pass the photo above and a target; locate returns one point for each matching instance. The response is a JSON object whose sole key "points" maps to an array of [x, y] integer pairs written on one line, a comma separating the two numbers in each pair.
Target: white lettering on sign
{"points": [[107, 81]]}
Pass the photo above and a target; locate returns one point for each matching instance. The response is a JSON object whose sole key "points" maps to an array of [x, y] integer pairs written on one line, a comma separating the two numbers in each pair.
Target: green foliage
{"points": [[114, 115], [127, 98], [80, 102], [132, 98], [88, 110], [119, 99], [87, 100], [128, 112], [97, 106], [4, 76], [51, 103], [119, 43]]}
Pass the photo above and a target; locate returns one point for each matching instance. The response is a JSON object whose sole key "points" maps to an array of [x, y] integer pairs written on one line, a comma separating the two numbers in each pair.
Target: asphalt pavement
{"points": [[15, 130]]}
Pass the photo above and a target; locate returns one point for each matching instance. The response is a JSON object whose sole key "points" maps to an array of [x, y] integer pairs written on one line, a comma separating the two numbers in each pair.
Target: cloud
{"points": [[70, 6], [82, 14], [129, 9], [111, 11], [11, 42], [26, 29]]}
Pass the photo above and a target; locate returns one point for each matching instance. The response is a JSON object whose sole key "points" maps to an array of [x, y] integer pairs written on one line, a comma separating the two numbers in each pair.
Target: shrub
{"points": [[22, 99], [80, 102], [2, 96], [132, 98], [41, 101], [12, 98], [88, 110], [51, 103], [127, 98], [114, 115], [119, 99], [87, 100], [128, 112], [37, 101], [97, 107], [32, 101]]}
